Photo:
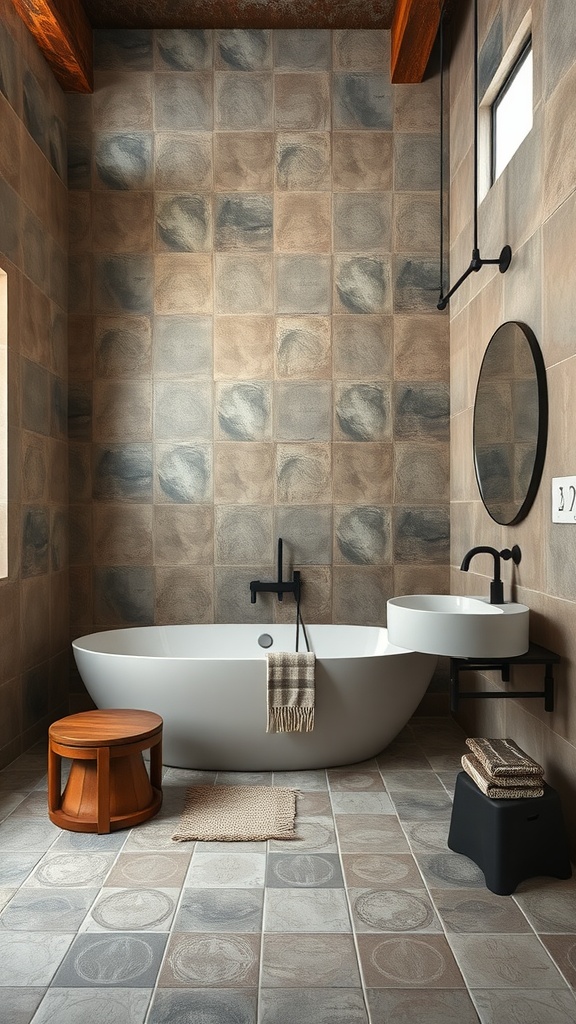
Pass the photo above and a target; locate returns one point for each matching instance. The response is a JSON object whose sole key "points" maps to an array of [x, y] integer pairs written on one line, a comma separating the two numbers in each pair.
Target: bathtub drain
{"points": [[265, 640]]}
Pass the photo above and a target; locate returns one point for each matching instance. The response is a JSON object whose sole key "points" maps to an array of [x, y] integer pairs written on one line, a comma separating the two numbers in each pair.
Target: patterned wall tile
{"points": [[183, 49], [243, 473], [362, 223], [122, 101], [34, 462], [243, 102], [244, 162], [363, 347], [124, 540], [183, 102], [9, 64], [302, 49], [79, 162], [182, 410], [303, 347], [184, 595], [362, 473], [122, 346], [122, 222], [123, 596], [122, 411], [362, 100], [120, 160], [80, 534], [182, 346], [421, 473], [244, 347], [360, 49], [243, 223], [363, 412], [363, 536], [183, 533], [123, 472], [11, 214], [360, 594], [123, 284], [303, 161], [303, 284], [307, 533], [362, 284], [303, 474], [128, 48], [35, 397], [35, 541], [303, 222], [183, 283], [416, 283], [421, 535], [232, 594], [242, 534], [303, 411], [416, 162], [184, 473], [243, 49], [183, 161], [243, 284], [421, 410], [183, 223], [244, 411], [302, 102]]}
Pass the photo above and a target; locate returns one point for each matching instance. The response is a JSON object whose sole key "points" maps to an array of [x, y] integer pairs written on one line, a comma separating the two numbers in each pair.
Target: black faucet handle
{"points": [[514, 553]]}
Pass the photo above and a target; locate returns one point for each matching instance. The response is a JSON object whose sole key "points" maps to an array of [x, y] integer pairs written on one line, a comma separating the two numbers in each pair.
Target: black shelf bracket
{"points": [[535, 655]]}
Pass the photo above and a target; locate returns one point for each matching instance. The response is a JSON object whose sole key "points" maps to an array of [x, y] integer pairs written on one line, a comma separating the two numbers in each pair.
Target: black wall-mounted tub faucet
{"points": [[496, 585], [281, 587]]}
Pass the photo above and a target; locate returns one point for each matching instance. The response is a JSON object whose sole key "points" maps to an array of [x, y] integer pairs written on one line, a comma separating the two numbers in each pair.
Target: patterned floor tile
{"points": [[370, 833], [308, 870], [315, 834], [522, 1007], [309, 961], [31, 957], [428, 1006], [19, 1004], [120, 910], [321, 1005], [113, 961], [166, 870], [304, 910], [393, 910], [230, 1006], [389, 870], [235, 870], [562, 949], [41, 910], [220, 910], [505, 961], [480, 911], [406, 961], [76, 1005], [215, 960], [72, 870]]}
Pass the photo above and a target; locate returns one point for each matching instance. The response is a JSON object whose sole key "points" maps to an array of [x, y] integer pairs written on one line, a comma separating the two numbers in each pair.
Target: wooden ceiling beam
{"points": [[64, 35], [414, 28]]}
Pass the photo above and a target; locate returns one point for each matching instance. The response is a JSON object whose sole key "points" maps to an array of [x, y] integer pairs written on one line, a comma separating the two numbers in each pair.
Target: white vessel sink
{"points": [[459, 627]]}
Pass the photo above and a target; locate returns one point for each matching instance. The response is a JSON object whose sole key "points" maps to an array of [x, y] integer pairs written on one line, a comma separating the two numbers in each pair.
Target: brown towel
{"points": [[504, 788], [291, 691], [503, 757]]}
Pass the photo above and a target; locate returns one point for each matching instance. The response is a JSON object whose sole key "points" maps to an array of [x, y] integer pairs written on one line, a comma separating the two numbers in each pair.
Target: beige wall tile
{"points": [[243, 347]]}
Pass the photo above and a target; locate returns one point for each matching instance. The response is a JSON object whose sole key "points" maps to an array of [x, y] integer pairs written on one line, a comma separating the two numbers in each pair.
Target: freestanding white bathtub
{"points": [[209, 685]]}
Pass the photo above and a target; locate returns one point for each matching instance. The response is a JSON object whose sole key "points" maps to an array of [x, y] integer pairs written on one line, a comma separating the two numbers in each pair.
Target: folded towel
{"points": [[503, 757], [291, 691], [503, 788]]}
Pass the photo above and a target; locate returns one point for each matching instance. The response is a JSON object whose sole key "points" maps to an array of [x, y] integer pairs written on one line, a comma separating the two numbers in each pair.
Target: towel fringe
{"points": [[287, 719]]}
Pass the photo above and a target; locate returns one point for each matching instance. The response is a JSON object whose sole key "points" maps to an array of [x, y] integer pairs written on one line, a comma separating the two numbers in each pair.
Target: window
{"points": [[512, 112]]}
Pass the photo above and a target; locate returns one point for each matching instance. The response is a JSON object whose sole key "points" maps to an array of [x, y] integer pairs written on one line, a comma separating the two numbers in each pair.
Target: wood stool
{"points": [[108, 787]]}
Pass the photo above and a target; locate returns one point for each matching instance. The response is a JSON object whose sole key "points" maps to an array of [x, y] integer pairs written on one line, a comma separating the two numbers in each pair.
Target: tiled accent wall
{"points": [[34, 620], [532, 207], [254, 346]]}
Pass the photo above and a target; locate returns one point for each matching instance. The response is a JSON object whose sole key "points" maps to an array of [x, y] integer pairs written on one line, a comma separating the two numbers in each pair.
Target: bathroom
{"points": [[293, 235]]}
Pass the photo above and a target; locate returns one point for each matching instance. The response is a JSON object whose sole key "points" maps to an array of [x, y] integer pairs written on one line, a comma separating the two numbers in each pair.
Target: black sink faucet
{"points": [[281, 587], [496, 586]]}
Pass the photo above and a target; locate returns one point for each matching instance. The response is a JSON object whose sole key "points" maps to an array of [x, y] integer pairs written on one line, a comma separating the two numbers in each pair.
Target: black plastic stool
{"points": [[509, 840]]}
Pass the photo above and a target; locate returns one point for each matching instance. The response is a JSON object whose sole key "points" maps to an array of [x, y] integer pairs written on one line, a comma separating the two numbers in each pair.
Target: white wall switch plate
{"points": [[564, 499]]}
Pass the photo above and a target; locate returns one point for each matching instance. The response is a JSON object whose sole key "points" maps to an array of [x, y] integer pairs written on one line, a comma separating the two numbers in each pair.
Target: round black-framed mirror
{"points": [[510, 423]]}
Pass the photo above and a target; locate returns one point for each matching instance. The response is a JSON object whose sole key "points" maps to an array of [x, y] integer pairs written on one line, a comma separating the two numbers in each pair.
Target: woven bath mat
{"points": [[237, 814]]}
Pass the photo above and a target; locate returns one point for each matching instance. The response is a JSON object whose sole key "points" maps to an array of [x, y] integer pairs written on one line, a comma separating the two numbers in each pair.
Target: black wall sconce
{"points": [[477, 262]]}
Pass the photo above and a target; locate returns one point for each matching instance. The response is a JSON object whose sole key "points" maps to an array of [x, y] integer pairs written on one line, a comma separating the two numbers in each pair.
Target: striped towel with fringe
{"points": [[503, 787], [291, 691]]}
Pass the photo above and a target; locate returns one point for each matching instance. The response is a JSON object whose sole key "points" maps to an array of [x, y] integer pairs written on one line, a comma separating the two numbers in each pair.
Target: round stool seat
{"points": [[108, 787]]}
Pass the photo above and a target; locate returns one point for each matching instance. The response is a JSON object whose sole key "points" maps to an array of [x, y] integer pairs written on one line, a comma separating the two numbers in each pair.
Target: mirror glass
{"points": [[510, 423]]}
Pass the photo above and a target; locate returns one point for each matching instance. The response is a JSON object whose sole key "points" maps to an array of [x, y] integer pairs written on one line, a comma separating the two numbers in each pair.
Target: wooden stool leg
{"points": [[54, 779], [156, 765], [103, 789]]}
